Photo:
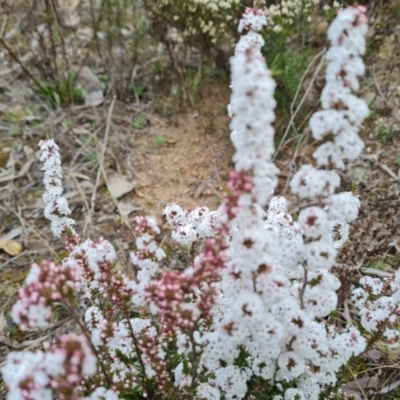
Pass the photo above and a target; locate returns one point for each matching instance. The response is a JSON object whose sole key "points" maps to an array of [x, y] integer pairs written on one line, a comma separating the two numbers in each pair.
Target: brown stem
{"points": [[18, 61], [303, 288], [92, 346], [51, 36], [138, 351], [135, 343], [180, 71], [195, 360], [95, 22], [46, 67], [57, 19], [63, 49]]}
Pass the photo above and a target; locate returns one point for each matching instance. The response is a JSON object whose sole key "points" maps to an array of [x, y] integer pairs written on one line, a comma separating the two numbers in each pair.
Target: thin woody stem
{"points": [[19, 62]]}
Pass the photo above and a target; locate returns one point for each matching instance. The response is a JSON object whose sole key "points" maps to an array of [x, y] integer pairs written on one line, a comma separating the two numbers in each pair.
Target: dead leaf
{"points": [[30, 118], [390, 387], [80, 130], [363, 383], [396, 245], [354, 394], [369, 97], [200, 190], [9, 342], [126, 207], [139, 193], [71, 194], [28, 151], [376, 272], [70, 19], [3, 323], [81, 176], [5, 71], [386, 169], [11, 247], [374, 355], [12, 234], [89, 80], [118, 186], [84, 34]]}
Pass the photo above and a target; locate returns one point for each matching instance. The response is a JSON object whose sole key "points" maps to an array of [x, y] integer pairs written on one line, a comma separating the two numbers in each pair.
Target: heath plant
{"points": [[206, 26], [58, 38], [294, 27], [47, 29], [289, 14], [255, 304], [201, 34]]}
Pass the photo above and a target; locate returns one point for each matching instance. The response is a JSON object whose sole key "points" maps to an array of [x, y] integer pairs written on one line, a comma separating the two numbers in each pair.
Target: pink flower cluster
{"points": [[45, 284], [95, 263], [154, 357], [183, 300]]}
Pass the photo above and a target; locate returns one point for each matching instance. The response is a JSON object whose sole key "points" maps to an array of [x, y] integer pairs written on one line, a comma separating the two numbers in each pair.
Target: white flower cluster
{"points": [[101, 393], [212, 5], [378, 303], [121, 343], [287, 12], [252, 19], [88, 256], [341, 116], [191, 225], [57, 208], [146, 249], [36, 366], [251, 109], [216, 5], [342, 112], [278, 285], [199, 18]]}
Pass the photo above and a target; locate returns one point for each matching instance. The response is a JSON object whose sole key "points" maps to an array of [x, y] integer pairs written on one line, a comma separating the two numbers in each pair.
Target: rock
{"points": [[91, 84]]}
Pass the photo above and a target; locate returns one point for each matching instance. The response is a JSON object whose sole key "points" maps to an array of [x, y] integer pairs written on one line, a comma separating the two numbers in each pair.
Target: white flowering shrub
{"points": [[201, 35], [288, 13], [294, 27], [204, 28], [254, 306]]}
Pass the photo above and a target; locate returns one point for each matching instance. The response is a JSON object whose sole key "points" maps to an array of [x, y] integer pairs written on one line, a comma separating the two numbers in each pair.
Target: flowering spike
{"points": [[57, 208]]}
